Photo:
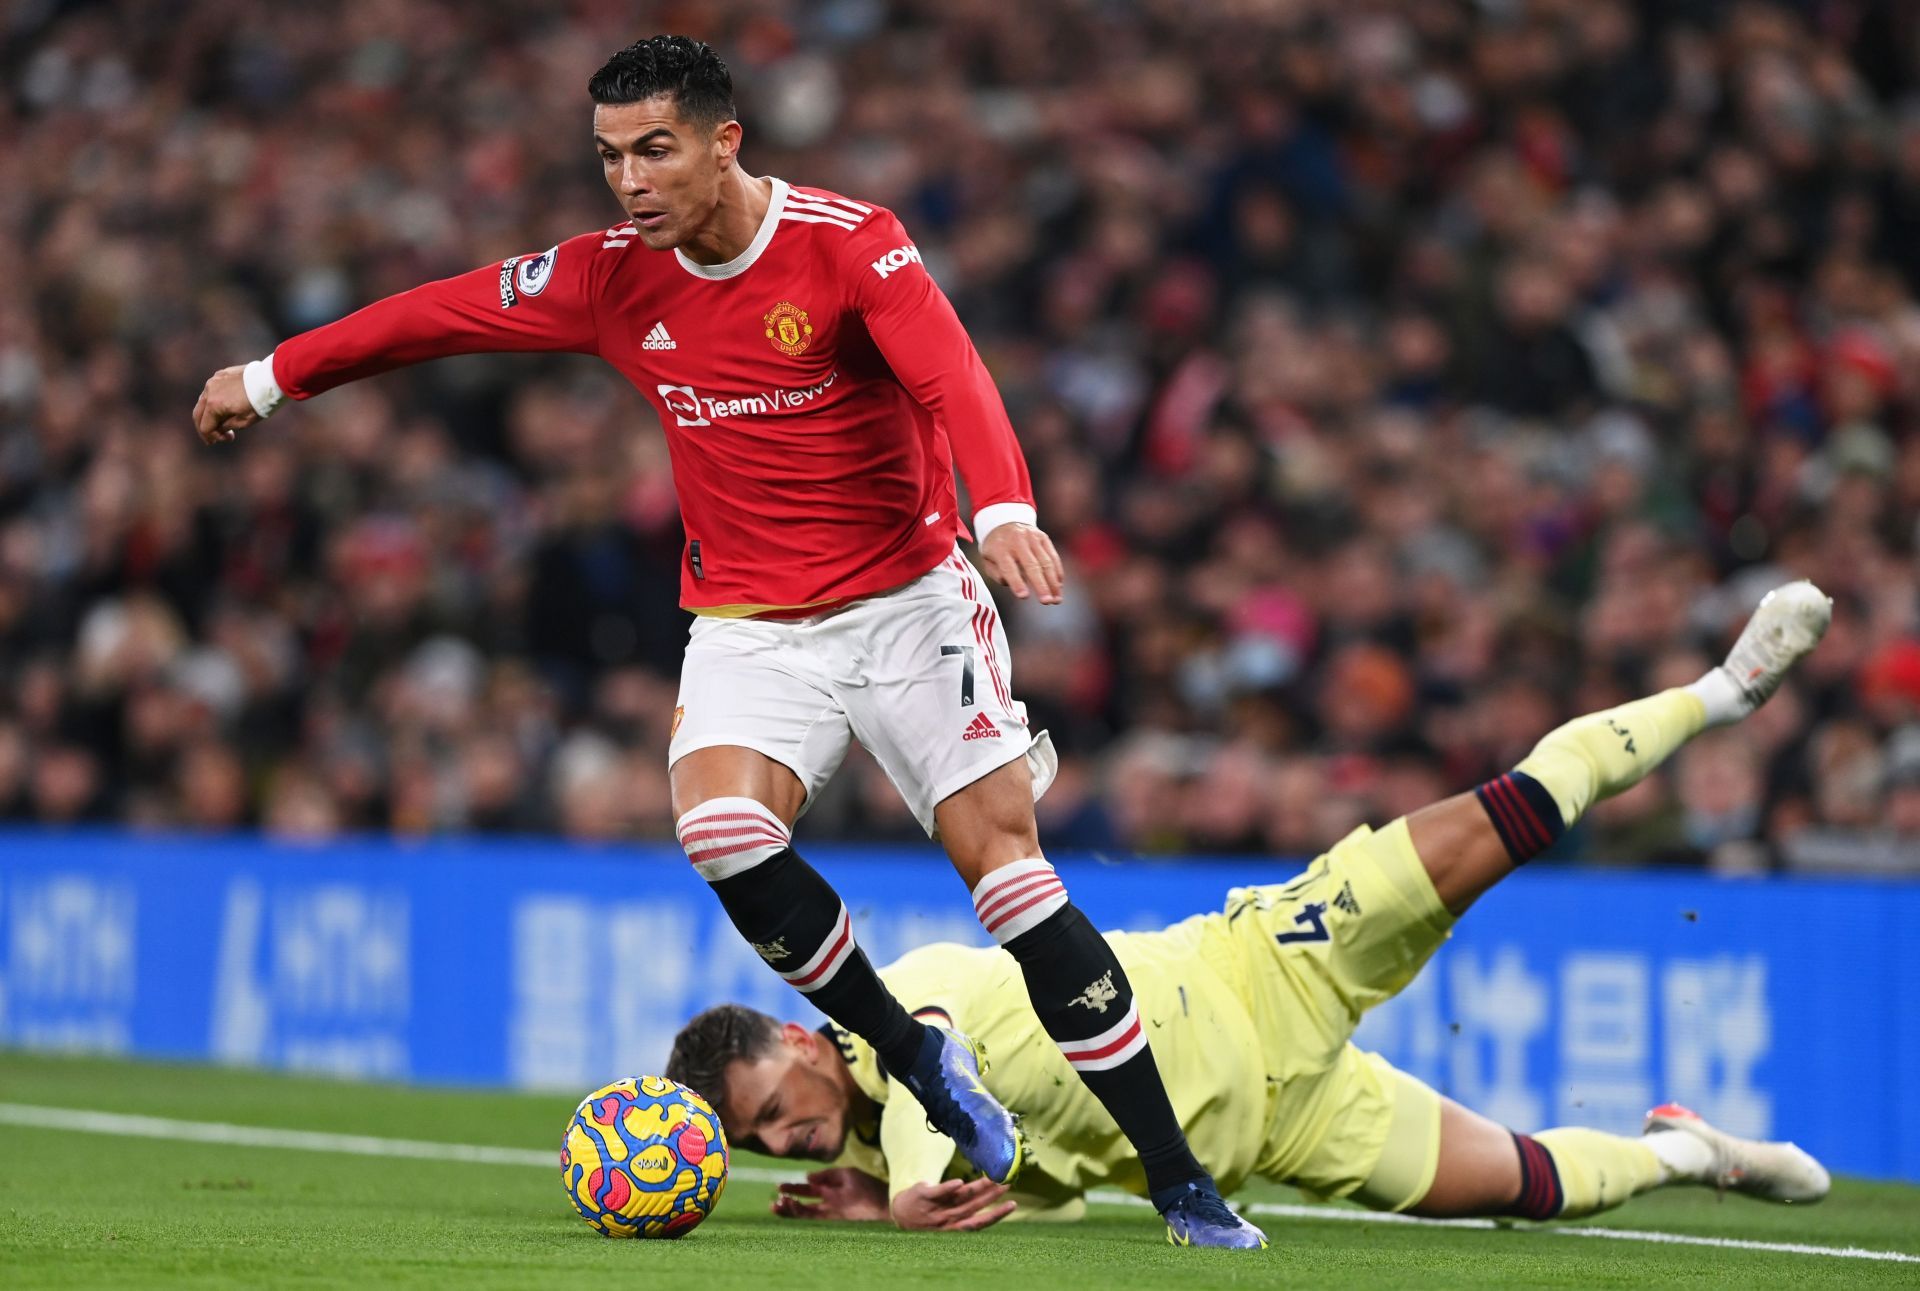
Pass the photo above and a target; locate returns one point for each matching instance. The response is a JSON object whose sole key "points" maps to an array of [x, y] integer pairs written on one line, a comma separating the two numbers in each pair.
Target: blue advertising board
{"points": [[1779, 1008]]}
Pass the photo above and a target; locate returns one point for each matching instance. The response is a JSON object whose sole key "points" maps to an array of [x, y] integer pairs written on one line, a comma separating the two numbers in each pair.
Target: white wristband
{"points": [[263, 392], [987, 519]]}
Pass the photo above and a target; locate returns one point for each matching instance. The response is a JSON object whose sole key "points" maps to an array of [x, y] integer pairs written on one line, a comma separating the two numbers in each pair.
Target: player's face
{"points": [[788, 1103], [664, 170]]}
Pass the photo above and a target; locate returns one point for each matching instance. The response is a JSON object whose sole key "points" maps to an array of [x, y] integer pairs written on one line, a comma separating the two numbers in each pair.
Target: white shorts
{"points": [[919, 675]]}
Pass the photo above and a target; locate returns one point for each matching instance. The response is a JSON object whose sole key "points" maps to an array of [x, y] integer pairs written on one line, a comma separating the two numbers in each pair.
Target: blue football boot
{"points": [[946, 1080], [1197, 1217]]}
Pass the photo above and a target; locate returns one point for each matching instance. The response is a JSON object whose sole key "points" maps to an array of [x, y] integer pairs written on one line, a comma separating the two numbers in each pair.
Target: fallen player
{"points": [[1250, 1012]]}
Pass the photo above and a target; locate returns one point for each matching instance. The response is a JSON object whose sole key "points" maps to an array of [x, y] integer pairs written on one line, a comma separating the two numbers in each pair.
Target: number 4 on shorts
{"points": [[966, 672]]}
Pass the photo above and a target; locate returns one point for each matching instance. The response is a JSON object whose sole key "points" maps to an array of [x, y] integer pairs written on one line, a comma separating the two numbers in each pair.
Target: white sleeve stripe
{"points": [[805, 218], [815, 219], [820, 208], [832, 202], [809, 208]]}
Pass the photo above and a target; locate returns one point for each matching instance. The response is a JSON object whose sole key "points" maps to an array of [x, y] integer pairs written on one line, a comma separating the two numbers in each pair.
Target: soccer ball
{"points": [[644, 1157]]}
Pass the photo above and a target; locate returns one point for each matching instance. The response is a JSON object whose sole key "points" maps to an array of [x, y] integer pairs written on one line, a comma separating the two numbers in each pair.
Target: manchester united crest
{"points": [[788, 328]]}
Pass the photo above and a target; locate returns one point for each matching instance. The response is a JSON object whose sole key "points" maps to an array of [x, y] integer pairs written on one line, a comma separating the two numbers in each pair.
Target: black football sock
{"points": [[1523, 814], [797, 923], [1540, 1194], [1085, 1003]]}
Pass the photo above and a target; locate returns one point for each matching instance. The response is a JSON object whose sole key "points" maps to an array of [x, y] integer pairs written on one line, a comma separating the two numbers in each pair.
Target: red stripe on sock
{"points": [[1527, 808], [832, 960], [1530, 829], [1540, 1189], [1057, 890], [1502, 816], [992, 901], [730, 831], [1125, 1038], [720, 853]]}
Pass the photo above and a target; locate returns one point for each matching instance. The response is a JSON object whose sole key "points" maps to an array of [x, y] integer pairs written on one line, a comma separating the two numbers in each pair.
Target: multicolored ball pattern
{"points": [[644, 1157]]}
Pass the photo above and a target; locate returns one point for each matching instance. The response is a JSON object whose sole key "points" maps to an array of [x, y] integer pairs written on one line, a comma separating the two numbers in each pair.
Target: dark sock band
{"points": [[1084, 1001], [791, 916], [1540, 1193], [1523, 813]]}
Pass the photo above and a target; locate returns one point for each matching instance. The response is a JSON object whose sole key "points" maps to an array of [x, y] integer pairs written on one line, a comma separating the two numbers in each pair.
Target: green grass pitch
{"points": [[89, 1210]]}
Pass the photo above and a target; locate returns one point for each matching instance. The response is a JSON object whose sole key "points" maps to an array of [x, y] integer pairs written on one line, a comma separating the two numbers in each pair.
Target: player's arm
{"points": [[916, 1193], [917, 332], [537, 302], [919, 1195], [847, 1194]]}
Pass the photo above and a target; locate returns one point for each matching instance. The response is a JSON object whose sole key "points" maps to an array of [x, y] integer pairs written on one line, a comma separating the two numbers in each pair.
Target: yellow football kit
{"points": [[1249, 1013]]}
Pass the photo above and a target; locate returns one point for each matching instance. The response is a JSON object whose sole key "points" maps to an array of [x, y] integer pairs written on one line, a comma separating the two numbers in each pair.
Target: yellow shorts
{"points": [[1314, 955]]}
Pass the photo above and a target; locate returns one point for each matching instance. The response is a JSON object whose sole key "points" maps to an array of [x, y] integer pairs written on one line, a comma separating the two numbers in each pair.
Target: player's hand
{"points": [[839, 1193], [223, 407], [953, 1206], [1023, 558]]}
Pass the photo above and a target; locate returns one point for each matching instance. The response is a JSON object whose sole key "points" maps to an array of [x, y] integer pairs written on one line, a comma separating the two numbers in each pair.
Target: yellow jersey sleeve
{"points": [[902, 1148], [915, 1151]]}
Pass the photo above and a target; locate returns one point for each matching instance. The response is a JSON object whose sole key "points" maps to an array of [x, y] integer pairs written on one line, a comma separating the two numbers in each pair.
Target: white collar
{"points": [[744, 261]]}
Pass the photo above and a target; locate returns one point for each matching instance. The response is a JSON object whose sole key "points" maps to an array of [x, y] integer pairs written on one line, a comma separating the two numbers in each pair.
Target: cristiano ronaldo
{"points": [[817, 393]]}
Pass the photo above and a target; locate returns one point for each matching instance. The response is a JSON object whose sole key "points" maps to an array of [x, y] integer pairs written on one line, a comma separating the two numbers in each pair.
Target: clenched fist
{"points": [[223, 407]]}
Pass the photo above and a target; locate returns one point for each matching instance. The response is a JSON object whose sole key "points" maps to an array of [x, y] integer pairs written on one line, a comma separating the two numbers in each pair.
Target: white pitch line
{"points": [[260, 1136], [34, 1116], [1740, 1244], [1344, 1215], [255, 1136]]}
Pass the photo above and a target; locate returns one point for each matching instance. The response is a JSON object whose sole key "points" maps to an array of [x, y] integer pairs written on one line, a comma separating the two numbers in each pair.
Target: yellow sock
{"points": [[1599, 1171], [1601, 754]]}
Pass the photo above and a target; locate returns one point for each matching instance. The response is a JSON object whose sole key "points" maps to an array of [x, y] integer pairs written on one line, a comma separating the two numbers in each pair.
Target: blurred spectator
{"points": [[1398, 381]]}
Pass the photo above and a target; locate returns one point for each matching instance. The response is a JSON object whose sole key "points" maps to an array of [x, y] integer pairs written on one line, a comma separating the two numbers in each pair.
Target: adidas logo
{"points": [[980, 729], [1345, 900], [657, 339]]}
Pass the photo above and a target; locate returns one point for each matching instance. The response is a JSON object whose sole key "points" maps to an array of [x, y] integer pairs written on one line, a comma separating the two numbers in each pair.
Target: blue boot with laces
{"points": [[1196, 1216], [946, 1079]]}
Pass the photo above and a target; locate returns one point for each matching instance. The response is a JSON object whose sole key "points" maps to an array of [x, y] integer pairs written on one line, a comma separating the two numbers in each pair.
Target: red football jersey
{"points": [[816, 391]]}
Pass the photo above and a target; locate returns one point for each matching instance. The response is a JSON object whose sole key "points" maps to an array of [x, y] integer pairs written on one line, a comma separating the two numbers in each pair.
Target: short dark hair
{"points": [[713, 1040], [683, 69]]}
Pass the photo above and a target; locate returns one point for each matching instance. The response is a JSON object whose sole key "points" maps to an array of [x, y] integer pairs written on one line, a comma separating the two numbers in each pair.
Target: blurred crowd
{"points": [[1399, 378]]}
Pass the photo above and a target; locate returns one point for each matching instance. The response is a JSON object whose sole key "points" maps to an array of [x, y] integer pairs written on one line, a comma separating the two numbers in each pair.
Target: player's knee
{"points": [[728, 836], [990, 822], [1018, 898]]}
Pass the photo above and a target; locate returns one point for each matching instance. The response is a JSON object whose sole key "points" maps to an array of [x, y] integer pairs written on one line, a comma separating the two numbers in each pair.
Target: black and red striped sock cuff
{"points": [[1540, 1193], [1523, 813]]}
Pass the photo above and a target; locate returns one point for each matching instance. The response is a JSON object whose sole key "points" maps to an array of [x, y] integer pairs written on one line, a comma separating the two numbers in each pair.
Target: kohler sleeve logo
{"points": [[898, 258]]}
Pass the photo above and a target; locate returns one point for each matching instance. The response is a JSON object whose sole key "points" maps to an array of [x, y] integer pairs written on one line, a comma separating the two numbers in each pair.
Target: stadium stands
{"points": [[1399, 379]]}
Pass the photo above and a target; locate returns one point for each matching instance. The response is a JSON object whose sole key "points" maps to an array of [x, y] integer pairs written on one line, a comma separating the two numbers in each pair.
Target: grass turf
{"points": [[83, 1210]]}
